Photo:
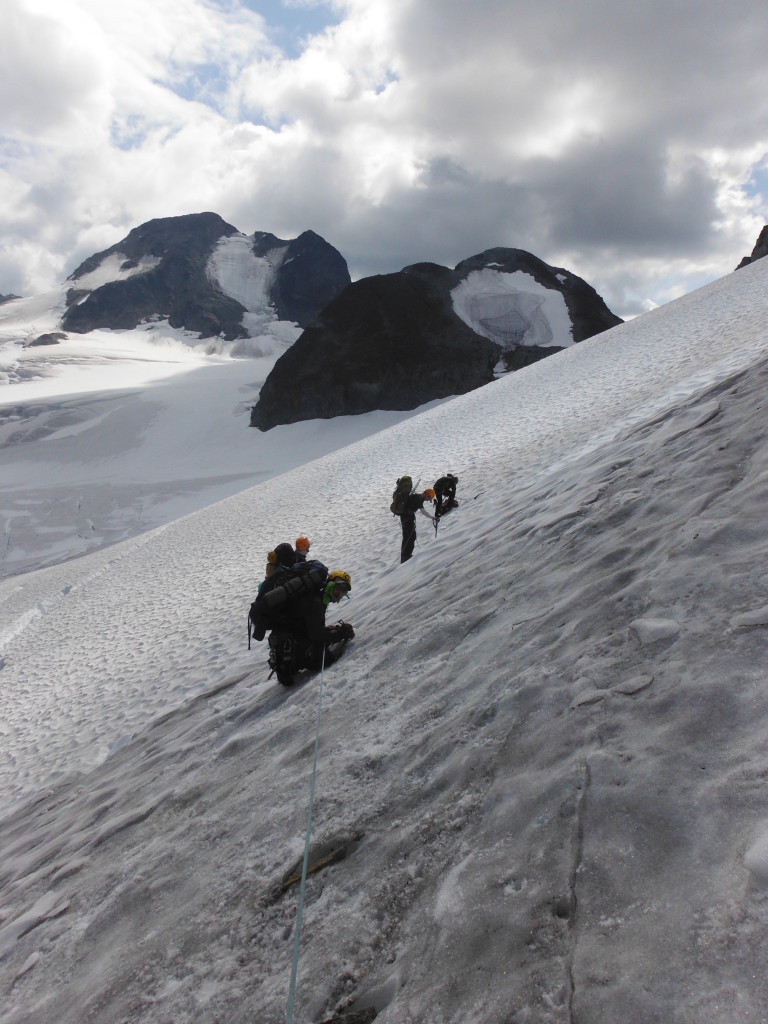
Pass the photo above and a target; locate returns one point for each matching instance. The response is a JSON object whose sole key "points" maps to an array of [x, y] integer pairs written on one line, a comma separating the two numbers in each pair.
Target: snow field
{"points": [[498, 435], [542, 757]]}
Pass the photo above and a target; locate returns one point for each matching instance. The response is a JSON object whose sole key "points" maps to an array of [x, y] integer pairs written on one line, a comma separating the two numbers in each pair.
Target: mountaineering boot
{"points": [[283, 658]]}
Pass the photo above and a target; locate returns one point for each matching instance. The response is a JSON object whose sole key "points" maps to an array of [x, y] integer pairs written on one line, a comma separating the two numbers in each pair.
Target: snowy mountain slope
{"points": [[99, 439], [541, 756], [117, 432], [21, 321]]}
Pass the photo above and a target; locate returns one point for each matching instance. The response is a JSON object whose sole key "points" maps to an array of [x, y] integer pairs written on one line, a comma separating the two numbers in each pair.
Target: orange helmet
{"points": [[302, 544], [429, 493]]}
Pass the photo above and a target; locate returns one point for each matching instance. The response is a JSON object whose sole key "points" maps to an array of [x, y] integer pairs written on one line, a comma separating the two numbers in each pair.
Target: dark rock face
{"points": [[760, 250], [177, 288], [8, 298], [387, 342], [396, 342], [310, 275]]}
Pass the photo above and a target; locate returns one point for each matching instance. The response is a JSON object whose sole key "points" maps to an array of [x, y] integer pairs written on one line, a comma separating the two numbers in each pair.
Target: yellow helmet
{"points": [[339, 577]]}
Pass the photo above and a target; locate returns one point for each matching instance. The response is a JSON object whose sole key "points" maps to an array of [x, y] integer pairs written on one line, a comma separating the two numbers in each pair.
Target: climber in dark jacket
{"points": [[282, 557], [300, 638], [413, 503], [445, 494]]}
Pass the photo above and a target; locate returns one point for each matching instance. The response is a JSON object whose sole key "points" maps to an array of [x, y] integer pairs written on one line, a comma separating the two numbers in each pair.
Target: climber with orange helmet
{"points": [[302, 548]]}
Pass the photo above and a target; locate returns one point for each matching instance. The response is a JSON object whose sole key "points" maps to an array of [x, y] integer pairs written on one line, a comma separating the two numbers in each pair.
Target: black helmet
{"points": [[285, 555]]}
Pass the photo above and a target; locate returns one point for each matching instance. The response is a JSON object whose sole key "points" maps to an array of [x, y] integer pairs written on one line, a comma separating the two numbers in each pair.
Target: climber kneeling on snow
{"points": [[294, 610], [445, 494]]}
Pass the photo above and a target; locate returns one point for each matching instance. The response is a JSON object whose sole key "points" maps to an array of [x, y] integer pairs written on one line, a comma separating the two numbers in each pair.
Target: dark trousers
{"points": [[313, 655], [408, 526], [293, 652], [444, 500]]}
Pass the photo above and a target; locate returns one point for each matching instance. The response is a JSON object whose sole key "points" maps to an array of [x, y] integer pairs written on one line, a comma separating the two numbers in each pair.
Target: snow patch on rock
{"points": [[239, 273], [116, 267], [512, 309]]}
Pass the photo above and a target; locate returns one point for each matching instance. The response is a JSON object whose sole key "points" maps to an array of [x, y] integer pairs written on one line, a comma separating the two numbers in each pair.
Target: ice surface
{"points": [[538, 817], [650, 631], [22, 320], [512, 309], [756, 859], [242, 275]]}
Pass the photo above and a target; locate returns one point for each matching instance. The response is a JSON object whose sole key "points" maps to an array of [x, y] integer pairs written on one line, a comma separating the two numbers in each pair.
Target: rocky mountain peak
{"points": [[174, 268], [311, 273], [191, 235], [760, 250], [397, 341]]}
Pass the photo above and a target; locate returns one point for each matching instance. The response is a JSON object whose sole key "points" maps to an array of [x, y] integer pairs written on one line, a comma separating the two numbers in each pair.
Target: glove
{"points": [[345, 631]]}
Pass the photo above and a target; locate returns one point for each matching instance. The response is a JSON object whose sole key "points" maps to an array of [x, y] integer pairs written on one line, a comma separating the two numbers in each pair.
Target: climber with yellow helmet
{"points": [[294, 610]]}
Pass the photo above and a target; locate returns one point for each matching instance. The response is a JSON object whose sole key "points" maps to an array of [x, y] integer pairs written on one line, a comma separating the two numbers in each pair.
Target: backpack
{"points": [[280, 587], [400, 497]]}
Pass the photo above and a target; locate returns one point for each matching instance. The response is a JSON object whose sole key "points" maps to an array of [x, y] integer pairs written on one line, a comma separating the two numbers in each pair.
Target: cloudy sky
{"points": [[626, 142]]}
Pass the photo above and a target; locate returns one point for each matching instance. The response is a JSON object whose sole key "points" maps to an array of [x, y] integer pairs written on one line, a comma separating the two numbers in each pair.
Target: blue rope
{"points": [[297, 937]]}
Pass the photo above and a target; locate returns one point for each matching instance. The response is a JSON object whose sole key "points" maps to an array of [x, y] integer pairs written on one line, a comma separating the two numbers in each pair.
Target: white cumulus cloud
{"points": [[624, 142]]}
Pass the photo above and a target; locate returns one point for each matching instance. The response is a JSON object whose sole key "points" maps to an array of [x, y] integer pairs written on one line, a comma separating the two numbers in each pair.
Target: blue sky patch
{"points": [[290, 24], [128, 133], [757, 184]]}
